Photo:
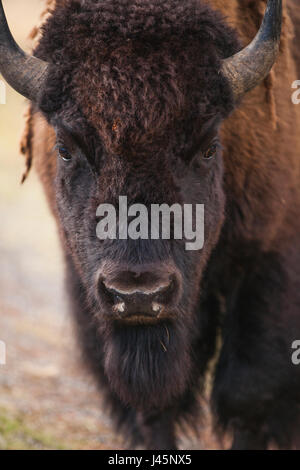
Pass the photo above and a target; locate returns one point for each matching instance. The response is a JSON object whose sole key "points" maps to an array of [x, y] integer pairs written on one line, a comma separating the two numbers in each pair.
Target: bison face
{"points": [[144, 293], [152, 275]]}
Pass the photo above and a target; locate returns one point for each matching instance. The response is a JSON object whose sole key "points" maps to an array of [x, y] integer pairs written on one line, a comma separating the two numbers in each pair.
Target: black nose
{"points": [[139, 292]]}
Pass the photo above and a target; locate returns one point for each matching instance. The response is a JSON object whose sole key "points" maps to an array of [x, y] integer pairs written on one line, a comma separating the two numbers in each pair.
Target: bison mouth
{"points": [[139, 307], [143, 319]]}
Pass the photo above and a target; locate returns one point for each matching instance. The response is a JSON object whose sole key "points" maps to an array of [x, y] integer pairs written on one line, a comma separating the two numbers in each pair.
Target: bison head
{"points": [[136, 92]]}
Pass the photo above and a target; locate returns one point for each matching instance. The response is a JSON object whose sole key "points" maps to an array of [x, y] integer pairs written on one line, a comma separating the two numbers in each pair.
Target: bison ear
{"points": [[246, 69], [26, 74]]}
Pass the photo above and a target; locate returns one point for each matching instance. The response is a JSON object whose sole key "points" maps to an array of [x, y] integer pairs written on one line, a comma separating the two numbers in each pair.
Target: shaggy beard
{"points": [[148, 367]]}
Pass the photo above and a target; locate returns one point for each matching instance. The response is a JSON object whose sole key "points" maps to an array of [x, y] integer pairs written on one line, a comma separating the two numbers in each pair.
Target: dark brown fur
{"points": [[138, 87]]}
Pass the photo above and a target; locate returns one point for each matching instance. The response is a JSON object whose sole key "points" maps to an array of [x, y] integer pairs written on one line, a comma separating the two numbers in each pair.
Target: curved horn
{"points": [[246, 69], [26, 74]]}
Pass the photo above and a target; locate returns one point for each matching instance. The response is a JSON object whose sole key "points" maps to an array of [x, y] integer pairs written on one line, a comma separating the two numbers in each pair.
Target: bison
{"points": [[158, 101]]}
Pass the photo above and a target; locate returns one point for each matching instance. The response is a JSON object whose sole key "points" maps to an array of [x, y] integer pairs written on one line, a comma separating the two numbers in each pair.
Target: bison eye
{"points": [[211, 152], [64, 154]]}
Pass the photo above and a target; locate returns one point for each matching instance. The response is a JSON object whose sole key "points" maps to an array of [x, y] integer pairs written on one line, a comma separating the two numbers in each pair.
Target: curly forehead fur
{"points": [[135, 70]]}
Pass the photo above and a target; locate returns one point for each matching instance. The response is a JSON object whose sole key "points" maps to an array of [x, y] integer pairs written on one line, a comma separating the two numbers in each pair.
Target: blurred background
{"points": [[47, 401]]}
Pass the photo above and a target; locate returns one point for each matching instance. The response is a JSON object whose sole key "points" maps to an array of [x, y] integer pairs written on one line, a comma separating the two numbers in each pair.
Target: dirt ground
{"points": [[47, 401]]}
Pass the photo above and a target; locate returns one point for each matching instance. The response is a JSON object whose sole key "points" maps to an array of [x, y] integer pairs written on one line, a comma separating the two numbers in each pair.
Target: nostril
{"points": [[165, 296], [111, 297]]}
